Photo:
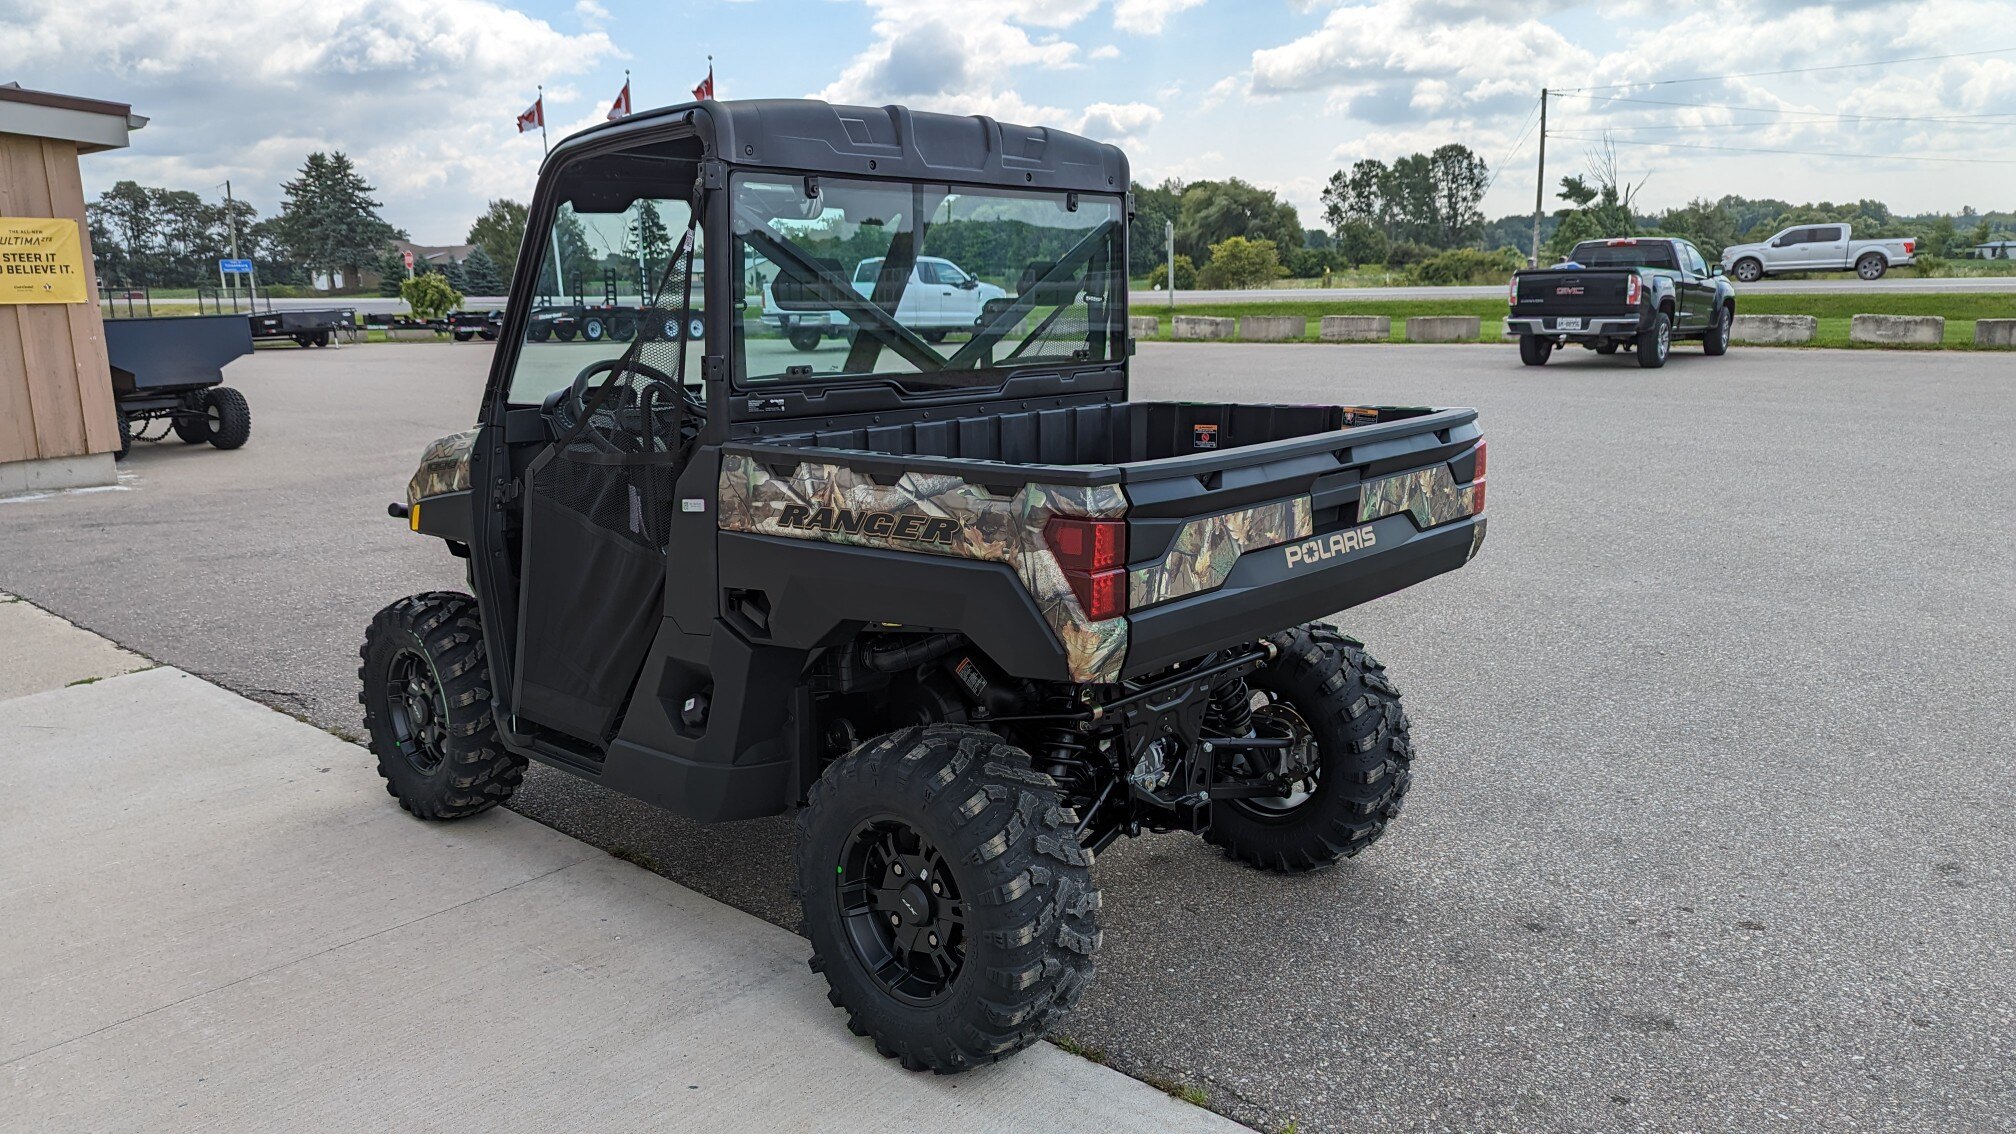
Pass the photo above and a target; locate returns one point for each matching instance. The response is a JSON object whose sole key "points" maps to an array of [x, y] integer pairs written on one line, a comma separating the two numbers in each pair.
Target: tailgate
{"points": [[1231, 546], [1578, 291]]}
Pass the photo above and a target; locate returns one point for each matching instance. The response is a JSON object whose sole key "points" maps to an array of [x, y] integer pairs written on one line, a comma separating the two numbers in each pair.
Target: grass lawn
{"points": [[1834, 312]]}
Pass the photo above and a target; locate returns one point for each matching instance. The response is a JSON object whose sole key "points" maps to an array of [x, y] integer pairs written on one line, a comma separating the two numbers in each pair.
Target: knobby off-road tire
{"points": [[1340, 693], [125, 436], [1534, 350], [230, 418], [426, 698], [1014, 872]]}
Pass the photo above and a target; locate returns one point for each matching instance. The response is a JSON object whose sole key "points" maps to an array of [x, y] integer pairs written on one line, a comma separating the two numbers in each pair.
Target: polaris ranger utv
{"points": [[962, 602]]}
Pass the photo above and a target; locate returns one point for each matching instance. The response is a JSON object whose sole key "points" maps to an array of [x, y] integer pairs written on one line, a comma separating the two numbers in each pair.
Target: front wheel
{"points": [[1747, 271], [426, 697], [1871, 266], [1350, 756], [1655, 341], [948, 899], [1534, 350], [1717, 340]]}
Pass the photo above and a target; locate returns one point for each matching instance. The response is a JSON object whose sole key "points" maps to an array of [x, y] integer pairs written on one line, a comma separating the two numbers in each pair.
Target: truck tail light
{"points": [[1477, 484], [1093, 554], [1633, 289], [1910, 246], [1512, 292]]}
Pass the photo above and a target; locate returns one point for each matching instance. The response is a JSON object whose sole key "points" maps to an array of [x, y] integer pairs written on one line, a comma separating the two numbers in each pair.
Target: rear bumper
{"points": [[1266, 592], [1592, 326]]}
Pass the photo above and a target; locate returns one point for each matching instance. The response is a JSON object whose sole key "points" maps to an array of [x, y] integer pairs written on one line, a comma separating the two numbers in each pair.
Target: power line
{"points": [[1518, 145], [1742, 125], [1948, 118], [1798, 153], [1794, 70]]}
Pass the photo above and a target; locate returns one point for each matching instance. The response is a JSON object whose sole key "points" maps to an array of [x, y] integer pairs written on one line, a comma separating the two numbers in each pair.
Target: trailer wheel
{"points": [[462, 336], [426, 698], [565, 333], [539, 332], [125, 436], [1534, 350], [592, 329], [949, 902], [229, 418], [321, 338], [1325, 691]]}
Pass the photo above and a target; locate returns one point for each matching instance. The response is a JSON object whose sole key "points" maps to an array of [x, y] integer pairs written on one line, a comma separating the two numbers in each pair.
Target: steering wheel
{"points": [[635, 421]]}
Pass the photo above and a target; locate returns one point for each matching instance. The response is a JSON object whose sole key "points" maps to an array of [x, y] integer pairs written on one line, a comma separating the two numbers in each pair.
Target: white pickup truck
{"points": [[941, 298], [1816, 248]]}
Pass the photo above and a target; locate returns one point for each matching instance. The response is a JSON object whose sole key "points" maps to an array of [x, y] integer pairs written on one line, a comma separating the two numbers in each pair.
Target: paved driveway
{"points": [[1715, 817]]}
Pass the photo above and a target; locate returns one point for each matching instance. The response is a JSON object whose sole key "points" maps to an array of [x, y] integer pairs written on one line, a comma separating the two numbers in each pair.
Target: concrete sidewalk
{"points": [[211, 915]]}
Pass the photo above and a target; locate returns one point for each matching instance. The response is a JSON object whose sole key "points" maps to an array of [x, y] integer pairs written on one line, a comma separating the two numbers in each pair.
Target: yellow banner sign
{"points": [[41, 261]]}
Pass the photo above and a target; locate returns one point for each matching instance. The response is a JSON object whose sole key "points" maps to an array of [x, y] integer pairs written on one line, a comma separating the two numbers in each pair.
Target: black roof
{"points": [[886, 141]]}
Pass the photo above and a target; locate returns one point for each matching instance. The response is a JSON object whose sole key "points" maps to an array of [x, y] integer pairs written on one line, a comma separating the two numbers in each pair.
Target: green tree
{"points": [[1710, 226], [1238, 263], [1361, 242], [1153, 210], [653, 242], [1212, 211], [328, 219], [479, 272], [1457, 178], [1602, 200], [429, 296], [1186, 275], [499, 232], [1944, 235]]}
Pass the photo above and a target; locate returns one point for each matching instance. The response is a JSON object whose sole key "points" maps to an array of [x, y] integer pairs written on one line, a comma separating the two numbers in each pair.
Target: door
{"points": [[1697, 291], [917, 308], [958, 298], [1829, 247], [1788, 250]]}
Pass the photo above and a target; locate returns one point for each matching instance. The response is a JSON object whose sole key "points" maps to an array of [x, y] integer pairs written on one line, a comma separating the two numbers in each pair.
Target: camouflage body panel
{"points": [[1204, 552], [936, 514], [1430, 495], [1476, 538], [444, 467]]}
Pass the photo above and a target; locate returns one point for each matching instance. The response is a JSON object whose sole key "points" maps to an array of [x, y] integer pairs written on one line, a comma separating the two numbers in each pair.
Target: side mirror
{"points": [[969, 283], [1714, 269]]}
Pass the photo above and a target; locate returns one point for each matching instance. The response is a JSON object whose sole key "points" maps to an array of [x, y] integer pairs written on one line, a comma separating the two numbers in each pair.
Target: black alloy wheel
{"points": [[417, 711], [904, 917]]}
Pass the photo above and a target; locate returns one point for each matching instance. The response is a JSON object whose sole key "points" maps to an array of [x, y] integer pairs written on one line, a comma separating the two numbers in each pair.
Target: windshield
{"points": [[936, 284], [1650, 254]]}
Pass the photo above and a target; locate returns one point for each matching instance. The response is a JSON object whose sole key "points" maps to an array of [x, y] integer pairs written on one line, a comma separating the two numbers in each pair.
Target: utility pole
{"points": [[1540, 179], [231, 227], [1169, 239]]}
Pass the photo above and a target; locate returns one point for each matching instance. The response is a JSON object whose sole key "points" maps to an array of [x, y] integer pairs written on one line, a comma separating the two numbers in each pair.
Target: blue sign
{"points": [[242, 266]]}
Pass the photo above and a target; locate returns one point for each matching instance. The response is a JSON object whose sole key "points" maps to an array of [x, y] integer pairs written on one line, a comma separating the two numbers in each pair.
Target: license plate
{"points": [[1567, 324]]}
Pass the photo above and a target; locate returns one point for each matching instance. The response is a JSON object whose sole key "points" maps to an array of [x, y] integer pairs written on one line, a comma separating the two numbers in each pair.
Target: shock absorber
{"points": [[1065, 749], [1231, 712]]}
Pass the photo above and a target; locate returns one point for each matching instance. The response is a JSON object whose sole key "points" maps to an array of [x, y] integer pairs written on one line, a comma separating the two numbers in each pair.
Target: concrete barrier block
{"points": [[1995, 332], [1444, 328], [1356, 328], [1203, 327], [1272, 328], [1780, 329], [1916, 329], [1143, 326]]}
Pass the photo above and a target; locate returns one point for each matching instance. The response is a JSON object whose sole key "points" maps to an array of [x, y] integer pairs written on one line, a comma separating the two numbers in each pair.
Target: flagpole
{"points": [[541, 101]]}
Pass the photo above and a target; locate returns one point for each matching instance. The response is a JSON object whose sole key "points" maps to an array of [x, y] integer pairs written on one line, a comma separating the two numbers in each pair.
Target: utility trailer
{"points": [[610, 321], [171, 370], [315, 328], [466, 325]]}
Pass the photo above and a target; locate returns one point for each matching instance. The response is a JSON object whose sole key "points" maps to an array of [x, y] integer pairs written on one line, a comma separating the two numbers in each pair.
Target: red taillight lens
{"points": [[1483, 451], [1093, 554], [1910, 246], [1512, 292], [1633, 290], [1477, 480]]}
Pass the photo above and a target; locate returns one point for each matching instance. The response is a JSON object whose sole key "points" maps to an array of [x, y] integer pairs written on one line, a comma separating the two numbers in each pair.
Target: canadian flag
{"points": [[621, 107], [534, 118], [706, 88]]}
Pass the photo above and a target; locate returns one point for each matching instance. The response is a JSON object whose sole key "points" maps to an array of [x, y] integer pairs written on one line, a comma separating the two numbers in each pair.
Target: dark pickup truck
{"points": [[957, 594], [1635, 293]]}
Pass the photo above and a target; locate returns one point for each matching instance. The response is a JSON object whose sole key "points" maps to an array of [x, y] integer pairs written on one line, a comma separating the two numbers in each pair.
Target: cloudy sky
{"points": [[423, 93]]}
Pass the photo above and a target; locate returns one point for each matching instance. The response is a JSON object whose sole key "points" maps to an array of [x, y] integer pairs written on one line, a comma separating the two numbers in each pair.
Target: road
{"points": [[1144, 300], [1714, 818]]}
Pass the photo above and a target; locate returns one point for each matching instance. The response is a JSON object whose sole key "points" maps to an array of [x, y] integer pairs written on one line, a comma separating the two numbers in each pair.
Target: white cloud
{"points": [[1117, 122], [1147, 17], [590, 13], [421, 93], [1108, 51]]}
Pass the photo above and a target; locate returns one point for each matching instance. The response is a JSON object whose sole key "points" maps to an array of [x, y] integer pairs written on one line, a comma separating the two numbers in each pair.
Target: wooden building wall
{"points": [[55, 385]]}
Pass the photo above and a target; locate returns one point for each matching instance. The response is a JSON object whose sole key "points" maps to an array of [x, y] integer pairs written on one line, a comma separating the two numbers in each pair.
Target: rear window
{"points": [[1645, 254]]}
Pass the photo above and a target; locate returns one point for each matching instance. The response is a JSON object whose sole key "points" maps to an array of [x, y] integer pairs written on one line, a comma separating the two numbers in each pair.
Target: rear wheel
{"points": [[192, 419], [1871, 266], [1351, 752], [949, 902], [426, 697], [623, 330], [1534, 350], [125, 436], [1655, 341], [228, 418], [806, 338], [539, 332], [1717, 340], [564, 332], [592, 329]]}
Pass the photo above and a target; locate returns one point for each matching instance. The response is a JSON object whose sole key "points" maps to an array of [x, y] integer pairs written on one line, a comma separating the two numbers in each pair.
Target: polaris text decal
{"points": [[908, 526], [1330, 547]]}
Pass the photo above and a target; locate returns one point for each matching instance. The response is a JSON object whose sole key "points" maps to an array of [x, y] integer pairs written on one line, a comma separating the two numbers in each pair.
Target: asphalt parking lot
{"points": [[1714, 821]]}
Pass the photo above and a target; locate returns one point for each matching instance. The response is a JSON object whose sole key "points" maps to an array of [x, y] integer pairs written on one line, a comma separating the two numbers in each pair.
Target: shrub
{"points": [[1186, 275], [429, 296], [1932, 267], [1404, 253], [1238, 263], [1468, 266]]}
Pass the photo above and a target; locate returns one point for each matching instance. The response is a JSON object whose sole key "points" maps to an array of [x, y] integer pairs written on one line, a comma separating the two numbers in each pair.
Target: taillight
{"points": [[1512, 292], [1910, 246], [1093, 554], [1633, 289], [1477, 481]]}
